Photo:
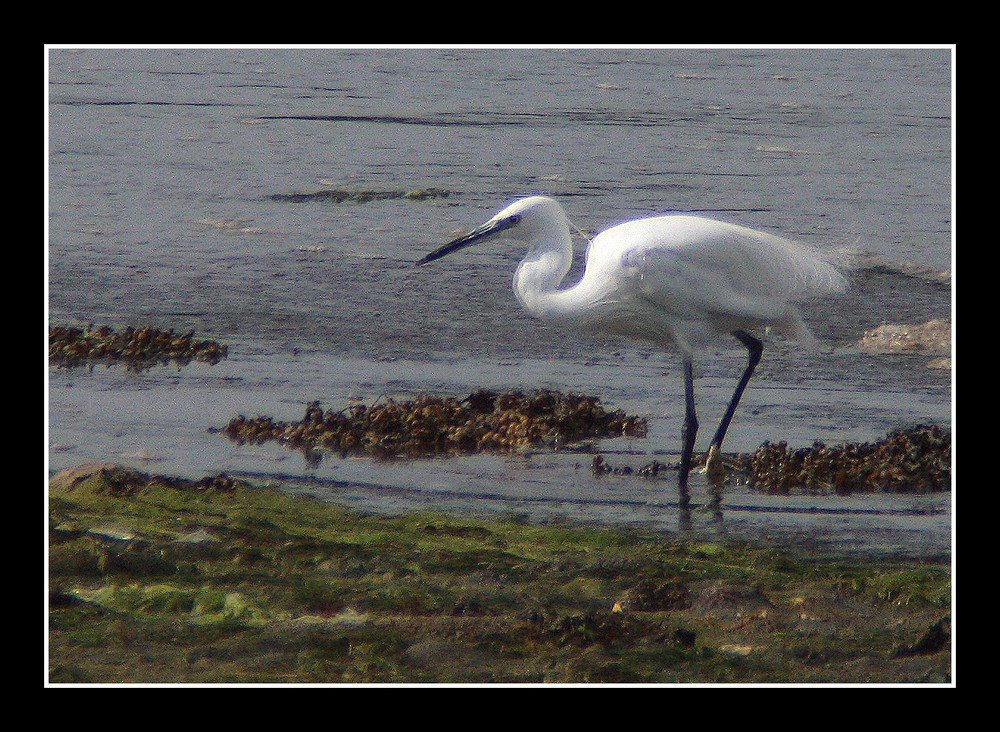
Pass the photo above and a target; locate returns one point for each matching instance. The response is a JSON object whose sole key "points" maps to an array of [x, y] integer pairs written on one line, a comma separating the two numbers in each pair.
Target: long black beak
{"points": [[490, 227]]}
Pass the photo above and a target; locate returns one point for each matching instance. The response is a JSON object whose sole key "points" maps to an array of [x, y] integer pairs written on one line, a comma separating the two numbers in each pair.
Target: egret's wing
{"points": [[698, 267]]}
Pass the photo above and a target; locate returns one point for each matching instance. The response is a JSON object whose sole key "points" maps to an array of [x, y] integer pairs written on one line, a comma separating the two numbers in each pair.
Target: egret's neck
{"points": [[537, 279]]}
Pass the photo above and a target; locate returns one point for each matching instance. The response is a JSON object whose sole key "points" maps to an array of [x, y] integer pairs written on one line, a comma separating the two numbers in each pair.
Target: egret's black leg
{"points": [[716, 473], [755, 347], [688, 433]]}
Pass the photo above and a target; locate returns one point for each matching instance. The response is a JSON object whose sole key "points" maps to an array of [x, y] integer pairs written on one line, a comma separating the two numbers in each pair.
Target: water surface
{"points": [[169, 171]]}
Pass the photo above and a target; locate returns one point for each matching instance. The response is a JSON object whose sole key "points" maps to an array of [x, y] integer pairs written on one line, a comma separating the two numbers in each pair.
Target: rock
{"points": [[933, 641], [932, 337], [64, 480]]}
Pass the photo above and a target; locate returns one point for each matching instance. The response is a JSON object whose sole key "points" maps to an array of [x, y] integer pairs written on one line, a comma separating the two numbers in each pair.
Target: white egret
{"points": [[672, 279]]}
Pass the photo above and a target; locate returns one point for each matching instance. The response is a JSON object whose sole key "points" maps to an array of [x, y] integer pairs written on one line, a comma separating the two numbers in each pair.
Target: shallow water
{"points": [[163, 165]]}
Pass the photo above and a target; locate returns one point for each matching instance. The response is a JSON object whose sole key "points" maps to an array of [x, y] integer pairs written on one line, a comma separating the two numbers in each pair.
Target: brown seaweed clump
{"points": [[915, 460], [599, 466], [137, 348], [429, 425]]}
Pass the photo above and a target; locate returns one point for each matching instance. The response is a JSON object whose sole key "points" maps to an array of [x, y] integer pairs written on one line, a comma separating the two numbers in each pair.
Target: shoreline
{"points": [[155, 580]]}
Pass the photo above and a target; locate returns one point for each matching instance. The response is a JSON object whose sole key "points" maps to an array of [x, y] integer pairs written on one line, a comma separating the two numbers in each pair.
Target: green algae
{"points": [[157, 580]]}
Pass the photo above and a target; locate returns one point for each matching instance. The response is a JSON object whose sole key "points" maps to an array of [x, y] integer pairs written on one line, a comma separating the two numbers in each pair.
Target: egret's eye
{"points": [[515, 219]]}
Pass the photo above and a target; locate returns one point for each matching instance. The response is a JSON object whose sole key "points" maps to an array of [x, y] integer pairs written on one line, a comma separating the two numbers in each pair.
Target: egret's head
{"points": [[522, 220]]}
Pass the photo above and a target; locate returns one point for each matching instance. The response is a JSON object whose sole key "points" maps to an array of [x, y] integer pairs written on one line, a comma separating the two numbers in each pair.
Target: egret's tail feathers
{"points": [[793, 326]]}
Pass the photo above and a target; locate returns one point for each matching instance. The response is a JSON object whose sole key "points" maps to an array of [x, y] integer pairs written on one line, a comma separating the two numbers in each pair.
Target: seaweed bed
{"points": [[138, 348], [914, 460], [160, 580], [430, 425]]}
